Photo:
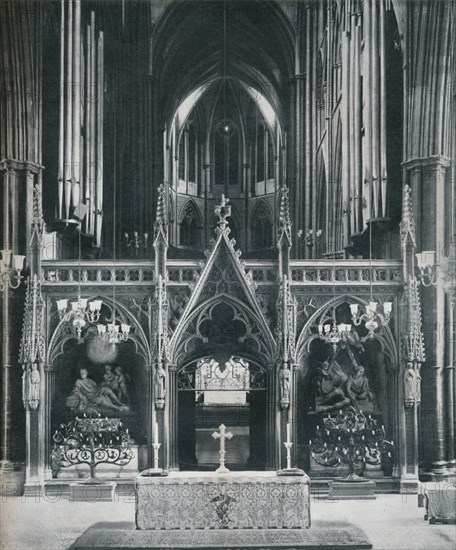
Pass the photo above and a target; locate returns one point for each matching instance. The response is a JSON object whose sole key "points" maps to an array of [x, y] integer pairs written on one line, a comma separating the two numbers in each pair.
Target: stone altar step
{"points": [[321, 538]]}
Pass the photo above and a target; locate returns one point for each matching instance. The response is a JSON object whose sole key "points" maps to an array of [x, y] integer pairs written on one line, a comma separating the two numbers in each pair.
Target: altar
{"points": [[234, 500]]}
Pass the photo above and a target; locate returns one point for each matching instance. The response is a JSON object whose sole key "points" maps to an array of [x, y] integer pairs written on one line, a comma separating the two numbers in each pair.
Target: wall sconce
{"points": [[426, 263], [11, 266], [133, 241]]}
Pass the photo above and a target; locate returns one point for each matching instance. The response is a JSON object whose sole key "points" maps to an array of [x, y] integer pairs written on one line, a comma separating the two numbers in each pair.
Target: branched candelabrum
{"points": [[135, 241], [92, 440], [350, 438]]}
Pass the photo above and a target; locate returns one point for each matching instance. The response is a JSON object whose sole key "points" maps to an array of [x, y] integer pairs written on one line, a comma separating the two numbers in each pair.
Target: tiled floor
{"points": [[390, 522]]}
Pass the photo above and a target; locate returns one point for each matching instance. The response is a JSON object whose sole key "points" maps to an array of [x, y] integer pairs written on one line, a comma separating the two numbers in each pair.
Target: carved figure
{"points": [[358, 390], [34, 384], [31, 386], [122, 392], [86, 395], [410, 385], [160, 386], [285, 385], [331, 382], [109, 379]]}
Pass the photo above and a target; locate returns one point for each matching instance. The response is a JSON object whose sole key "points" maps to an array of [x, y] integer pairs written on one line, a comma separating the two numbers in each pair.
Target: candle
{"points": [[155, 432]]}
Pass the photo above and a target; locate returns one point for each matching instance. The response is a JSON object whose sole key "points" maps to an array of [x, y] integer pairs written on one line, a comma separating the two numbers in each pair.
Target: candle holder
{"points": [[135, 241], [11, 266], [92, 440], [289, 471], [350, 438]]}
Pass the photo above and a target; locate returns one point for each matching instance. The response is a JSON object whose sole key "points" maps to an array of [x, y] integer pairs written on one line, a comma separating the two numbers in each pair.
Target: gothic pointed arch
{"points": [[59, 336], [190, 225], [325, 313], [261, 226], [225, 280]]}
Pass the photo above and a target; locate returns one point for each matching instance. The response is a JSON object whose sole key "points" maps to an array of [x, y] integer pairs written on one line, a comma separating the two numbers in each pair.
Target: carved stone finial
{"points": [[407, 225], [161, 218], [284, 221], [223, 211]]}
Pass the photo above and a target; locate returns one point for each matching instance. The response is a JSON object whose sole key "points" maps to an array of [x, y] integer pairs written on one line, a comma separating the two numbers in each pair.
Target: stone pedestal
{"points": [[441, 503], [92, 492], [351, 490], [236, 500]]}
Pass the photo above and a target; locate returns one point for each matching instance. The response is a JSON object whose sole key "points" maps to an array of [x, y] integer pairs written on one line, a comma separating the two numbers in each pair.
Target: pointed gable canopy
{"points": [[224, 276]]}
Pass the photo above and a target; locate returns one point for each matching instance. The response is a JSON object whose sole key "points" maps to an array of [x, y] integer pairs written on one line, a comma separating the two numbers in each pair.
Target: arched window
{"points": [[189, 233], [182, 155], [192, 157], [260, 153], [270, 160], [261, 227], [188, 157], [226, 154]]}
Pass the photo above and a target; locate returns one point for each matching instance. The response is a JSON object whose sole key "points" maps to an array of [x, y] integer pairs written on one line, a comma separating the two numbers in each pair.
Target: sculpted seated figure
{"points": [[331, 382], [359, 392], [88, 395]]}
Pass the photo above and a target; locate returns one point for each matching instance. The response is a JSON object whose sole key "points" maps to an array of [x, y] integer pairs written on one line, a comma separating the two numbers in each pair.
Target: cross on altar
{"points": [[222, 434]]}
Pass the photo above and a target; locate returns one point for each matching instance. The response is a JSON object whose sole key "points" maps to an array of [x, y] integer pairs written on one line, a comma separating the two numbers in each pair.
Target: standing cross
{"points": [[222, 436]]}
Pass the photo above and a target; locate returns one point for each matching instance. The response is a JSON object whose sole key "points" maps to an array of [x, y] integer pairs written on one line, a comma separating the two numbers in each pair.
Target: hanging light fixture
{"points": [[372, 317], [111, 332], [78, 314], [333, 333]]}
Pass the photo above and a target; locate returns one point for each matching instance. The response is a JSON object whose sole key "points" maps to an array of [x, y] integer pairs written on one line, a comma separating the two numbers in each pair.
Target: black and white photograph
{"points": [[228, 274]]}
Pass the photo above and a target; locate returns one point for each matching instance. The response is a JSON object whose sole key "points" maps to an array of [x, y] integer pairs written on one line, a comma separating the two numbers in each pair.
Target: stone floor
{"points": [[391, 521]]}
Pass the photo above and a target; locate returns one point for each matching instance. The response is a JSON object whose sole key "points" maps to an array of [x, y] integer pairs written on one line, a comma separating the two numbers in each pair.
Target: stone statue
{"points": [[285, 385], [331, 382], [31, 386], [34, 386], [358, 390], [160, 386], [121, 378], [88, 395], [109, 379], [410, 385], [117, 382]]}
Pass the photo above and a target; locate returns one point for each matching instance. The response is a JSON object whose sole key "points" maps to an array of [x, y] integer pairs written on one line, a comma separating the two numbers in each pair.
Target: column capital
{"points": [[432, 162], [13, 164]]}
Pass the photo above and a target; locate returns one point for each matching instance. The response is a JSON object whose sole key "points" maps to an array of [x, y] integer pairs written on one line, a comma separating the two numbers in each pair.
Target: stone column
{"points": [[10, 211], [272, 422], [151, 416], [449, 384], [6, 465], [427, 179], [170, 434], [48, 390], [293, 415]]}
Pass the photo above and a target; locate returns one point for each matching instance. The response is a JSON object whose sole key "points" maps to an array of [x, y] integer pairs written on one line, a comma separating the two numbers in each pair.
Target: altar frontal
{"points": [[234, 500]]}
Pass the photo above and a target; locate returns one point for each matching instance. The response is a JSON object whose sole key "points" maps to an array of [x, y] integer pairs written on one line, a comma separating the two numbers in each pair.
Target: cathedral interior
{"points": [[228, 212]]}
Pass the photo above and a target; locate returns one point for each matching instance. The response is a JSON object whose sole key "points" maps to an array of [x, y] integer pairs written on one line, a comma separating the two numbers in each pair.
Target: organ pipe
{"points": [[357, 131], [374, 93], [383, 174], [76, 110], [80, 161], [60, 174], [347, 134], [99, 171], [92, 144], [367, 118], [68, 109], [88, 114]]}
